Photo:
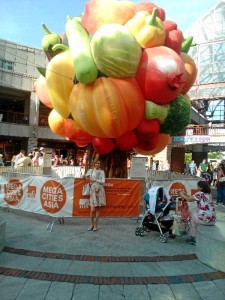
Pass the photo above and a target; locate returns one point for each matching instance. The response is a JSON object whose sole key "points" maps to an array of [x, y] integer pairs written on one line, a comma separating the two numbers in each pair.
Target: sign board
{"points": [[47, 160], [172, 187], [138, 167], [197, 139], [63, 197]]}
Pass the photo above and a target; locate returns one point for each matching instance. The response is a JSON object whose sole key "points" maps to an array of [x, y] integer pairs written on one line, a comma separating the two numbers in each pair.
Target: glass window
{"points": [[216, 110], [7, 65]]}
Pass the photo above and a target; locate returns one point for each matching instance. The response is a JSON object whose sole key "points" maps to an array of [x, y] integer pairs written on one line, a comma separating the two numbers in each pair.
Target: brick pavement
{"points": [[71, 263]]}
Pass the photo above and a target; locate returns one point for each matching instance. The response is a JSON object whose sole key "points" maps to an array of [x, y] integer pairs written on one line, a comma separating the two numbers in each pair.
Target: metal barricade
{"points": [[56, 172], [67, 171]]}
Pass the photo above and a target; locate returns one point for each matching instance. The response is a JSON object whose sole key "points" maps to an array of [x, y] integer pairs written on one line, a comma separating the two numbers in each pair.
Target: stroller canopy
{"points": [[154, 195]]}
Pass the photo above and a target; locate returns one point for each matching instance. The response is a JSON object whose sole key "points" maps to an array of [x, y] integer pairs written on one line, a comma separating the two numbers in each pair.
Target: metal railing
{"points": [[21, 118], [56, 172], [14, 117], [166, 175], [214, 129], [78, 172], [43, 121]]}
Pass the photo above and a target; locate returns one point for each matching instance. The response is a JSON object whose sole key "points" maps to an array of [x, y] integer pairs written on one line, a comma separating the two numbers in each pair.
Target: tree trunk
{"points": [[114, 164]]}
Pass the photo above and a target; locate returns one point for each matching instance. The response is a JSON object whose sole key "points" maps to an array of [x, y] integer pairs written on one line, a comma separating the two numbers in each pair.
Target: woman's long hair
{"points": [[204, 186], [222, 168]]}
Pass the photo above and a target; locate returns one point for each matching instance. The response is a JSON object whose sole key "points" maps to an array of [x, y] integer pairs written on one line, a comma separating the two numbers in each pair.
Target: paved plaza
{"points": [[70, 262]]}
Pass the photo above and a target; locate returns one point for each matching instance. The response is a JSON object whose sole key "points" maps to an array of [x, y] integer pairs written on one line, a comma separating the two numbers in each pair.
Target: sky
{"points": [[20, 21]]}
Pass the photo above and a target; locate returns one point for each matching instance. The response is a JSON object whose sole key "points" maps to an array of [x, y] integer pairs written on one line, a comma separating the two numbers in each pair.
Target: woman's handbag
{"points": [[183, 209], [180, 226], [181, 218], [86, 190]]}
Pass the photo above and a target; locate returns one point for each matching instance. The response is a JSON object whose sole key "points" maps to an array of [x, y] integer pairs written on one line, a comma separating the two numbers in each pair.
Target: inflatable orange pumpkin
{"points": [[109, 107]]}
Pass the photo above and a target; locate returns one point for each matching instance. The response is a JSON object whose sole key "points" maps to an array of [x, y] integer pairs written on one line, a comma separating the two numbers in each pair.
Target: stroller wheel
{"points": [[163, 238], [137, 231], [141, 232], [146, 229]]}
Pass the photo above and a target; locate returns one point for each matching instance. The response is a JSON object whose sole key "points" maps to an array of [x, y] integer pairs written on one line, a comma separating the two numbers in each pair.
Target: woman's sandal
{"points": [[91, 228], [95, 229]]}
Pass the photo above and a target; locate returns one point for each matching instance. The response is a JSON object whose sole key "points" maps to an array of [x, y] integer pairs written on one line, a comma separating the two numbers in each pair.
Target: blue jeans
{"points": [[220, 194]]}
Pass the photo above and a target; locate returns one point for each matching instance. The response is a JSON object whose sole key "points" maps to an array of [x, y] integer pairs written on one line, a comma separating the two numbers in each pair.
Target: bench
{"points": [[210, 245]]}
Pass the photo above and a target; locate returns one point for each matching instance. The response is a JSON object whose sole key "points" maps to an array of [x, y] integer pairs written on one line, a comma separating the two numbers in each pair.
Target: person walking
{"points": [[1, 160], [220, 186], [215, 174], [96, 178], [205, 213]]}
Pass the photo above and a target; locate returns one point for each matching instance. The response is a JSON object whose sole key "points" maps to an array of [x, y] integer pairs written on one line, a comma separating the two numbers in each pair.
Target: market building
{"points": [[24, 119]]}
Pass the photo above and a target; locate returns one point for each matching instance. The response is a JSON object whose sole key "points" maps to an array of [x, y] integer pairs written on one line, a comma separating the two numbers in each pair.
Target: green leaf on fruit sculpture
{"points": [[42, 71]]}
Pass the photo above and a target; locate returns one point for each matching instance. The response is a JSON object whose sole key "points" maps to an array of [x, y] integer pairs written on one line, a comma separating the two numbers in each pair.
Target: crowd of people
{"points": [[159, 165], [213, 173], [207, 170], [36, 156], [205, 213]]}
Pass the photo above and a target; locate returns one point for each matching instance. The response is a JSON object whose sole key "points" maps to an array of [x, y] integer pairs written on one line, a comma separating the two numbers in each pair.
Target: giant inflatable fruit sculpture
{"points": [[118, 77]]}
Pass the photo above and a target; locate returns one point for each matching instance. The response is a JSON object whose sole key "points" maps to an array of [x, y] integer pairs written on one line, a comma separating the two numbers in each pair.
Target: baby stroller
{"points": [[156, 216]]}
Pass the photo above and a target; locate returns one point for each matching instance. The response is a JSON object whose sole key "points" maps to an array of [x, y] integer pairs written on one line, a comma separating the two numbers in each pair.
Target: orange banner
{"points": [[122, 198]]}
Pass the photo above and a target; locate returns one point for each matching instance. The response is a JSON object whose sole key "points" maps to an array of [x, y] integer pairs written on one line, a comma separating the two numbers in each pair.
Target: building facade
{"points": [[23, 118], [208, 93]]}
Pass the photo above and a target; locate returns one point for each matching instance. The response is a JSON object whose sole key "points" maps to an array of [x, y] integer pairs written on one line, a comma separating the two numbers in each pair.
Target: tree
{"points": [[215, 155], [114, 164], [188, 157]]}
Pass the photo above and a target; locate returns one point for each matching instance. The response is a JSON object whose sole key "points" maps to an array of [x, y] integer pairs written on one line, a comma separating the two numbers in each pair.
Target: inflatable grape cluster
{"points": [[118, 77]]}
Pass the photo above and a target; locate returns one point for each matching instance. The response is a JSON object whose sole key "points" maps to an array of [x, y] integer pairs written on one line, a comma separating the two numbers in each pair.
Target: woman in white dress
{"points": [[96, 178]]}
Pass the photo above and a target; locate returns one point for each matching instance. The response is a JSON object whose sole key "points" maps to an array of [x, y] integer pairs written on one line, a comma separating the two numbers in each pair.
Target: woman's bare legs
{"points": [[97, 217], [94, 215]]}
